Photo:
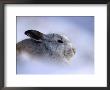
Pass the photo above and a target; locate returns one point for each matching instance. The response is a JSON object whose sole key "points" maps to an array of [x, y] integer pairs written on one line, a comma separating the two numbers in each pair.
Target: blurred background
{"points": [[79, 29]]}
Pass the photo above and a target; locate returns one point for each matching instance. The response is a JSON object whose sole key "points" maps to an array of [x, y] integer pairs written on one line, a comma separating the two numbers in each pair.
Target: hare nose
{"points": [[74, 50]]}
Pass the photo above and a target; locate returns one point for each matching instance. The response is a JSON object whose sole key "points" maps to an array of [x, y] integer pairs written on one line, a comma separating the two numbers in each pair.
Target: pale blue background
{"points": [[80, 30]]}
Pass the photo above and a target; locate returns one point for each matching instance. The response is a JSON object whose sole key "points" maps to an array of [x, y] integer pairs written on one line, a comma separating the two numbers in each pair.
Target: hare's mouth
{"points": [[69, 53], [74, 50]]}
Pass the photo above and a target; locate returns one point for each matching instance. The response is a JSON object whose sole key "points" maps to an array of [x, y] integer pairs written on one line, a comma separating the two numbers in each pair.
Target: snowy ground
{"points": [[80, 30]]}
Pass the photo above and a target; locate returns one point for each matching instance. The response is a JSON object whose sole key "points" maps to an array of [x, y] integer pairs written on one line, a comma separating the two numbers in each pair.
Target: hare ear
{"points": [[34, 34]]}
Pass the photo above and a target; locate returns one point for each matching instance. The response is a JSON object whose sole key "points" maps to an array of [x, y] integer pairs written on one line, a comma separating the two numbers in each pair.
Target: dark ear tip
{"points": [[27, 32], [34, 34], [31, 31]]}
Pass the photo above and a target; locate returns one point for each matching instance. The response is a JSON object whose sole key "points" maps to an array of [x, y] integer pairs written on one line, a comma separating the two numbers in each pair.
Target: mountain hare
{"points": [[54, 46]]}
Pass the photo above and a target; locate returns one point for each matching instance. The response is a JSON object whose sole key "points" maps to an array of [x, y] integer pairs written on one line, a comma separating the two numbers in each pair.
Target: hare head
{"points": [[54, 45]]}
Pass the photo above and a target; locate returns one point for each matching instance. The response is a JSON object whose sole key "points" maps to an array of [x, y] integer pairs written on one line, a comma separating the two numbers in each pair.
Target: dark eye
{"points": [[60, 41]]}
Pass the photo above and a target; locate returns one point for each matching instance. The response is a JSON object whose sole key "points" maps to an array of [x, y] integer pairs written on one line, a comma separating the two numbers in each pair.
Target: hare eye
{"points": [[60, 41]]}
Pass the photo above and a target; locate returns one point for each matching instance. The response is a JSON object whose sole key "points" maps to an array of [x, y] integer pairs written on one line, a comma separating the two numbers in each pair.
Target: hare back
{"points": [[30, 46]]}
